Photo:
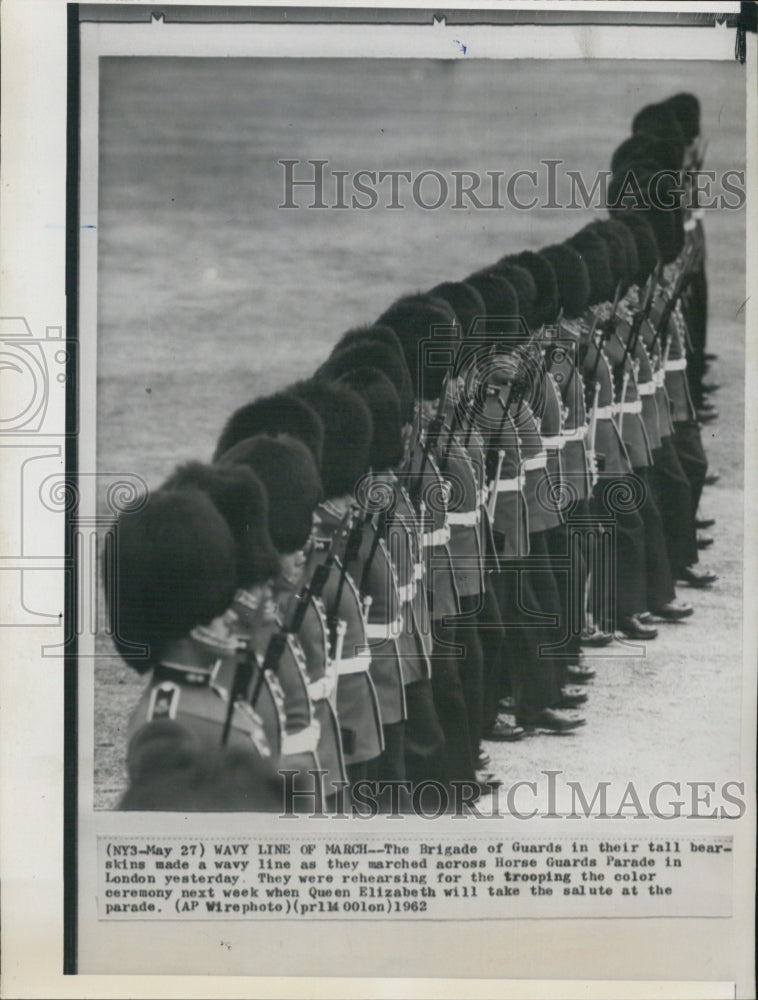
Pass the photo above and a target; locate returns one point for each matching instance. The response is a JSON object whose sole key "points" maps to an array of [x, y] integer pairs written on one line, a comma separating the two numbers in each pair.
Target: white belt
{"points": [[466, 518], [576, 433], [354, 665], [676, 364], [418, 571], [385, 630], [306, 741], [536, 462], [698, 213], [555, 442], [646, 388], [605, 412], [689, 225], [510, 485], [407, 592], [439, 537], [322, 688], [633, 406]]}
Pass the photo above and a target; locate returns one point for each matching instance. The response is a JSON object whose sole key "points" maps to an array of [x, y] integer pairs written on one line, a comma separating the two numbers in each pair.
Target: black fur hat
{"points": [[525, 287], [686, 110], [592, 249], [660, 193], [622, 250], [500, 301], [416, 319], [465, 301], [645, 242], [347, 433], [546, 300], [375, 331], [241, 498], [288, 472], [572, 277], [378, 393], [175, 568], [657, 119], [375, 353], [281, 413], [658, 152]]}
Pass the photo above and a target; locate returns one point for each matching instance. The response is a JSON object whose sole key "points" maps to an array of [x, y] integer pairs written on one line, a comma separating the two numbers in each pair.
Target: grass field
{"points": [[209, 294]]}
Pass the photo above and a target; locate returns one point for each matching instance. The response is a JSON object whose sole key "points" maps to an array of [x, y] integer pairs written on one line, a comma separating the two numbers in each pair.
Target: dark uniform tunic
{"points": [[357, 704]]}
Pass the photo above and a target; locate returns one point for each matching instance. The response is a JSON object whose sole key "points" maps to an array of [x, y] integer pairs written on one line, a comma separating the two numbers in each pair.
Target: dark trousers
{"points": [[423, 733], [689, 448], [492, 637], [455, 760], [672, 490], [472, 667], [532, 671], [618, 566], [390, 766], [659, 577], [567, 545]]}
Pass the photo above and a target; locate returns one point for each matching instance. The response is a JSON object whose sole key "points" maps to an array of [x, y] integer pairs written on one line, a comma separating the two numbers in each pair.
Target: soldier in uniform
{"points": [[414, 320], [194, 743], [288, 471], [347, 439], [524, 587], [619, 600], [364, 355]]}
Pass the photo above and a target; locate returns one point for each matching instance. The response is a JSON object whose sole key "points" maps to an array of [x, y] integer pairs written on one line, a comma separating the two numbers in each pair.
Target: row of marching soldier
{"points": [[410, 553]]}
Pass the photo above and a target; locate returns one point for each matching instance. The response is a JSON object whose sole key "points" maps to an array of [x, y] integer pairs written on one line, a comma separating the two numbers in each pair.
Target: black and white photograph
{"points": [[252, 269], [408, 493]]}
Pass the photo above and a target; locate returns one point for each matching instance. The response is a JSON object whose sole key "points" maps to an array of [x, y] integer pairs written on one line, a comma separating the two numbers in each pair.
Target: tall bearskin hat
{"points": [[592, 249], [546, 300], [175, 567], [415, 319], [465, 301], [523, 284], [654, 151], [657, 119], [686, 109], [622, 250], [288, 472], [281, 413], [378, 393], [347, 433], [375, 331], [572, 277], [662, 195], [241, 498], [501, 303], [645, 241], [373, 353]]}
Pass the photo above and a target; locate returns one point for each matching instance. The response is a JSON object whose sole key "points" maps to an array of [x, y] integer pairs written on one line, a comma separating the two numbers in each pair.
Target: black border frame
{"points": [[70, 661]]}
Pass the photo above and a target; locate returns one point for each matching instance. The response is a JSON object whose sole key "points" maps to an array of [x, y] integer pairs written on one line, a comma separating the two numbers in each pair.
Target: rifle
{"points": [[515, 393], [313, 589], [606, 328], [676, 293], [641, 314], [243, 671], [432, 433]]}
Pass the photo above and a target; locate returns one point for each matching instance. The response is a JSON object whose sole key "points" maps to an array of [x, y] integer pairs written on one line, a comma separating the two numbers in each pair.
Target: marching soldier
{"points": [[194, 743], [337, 535]]}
